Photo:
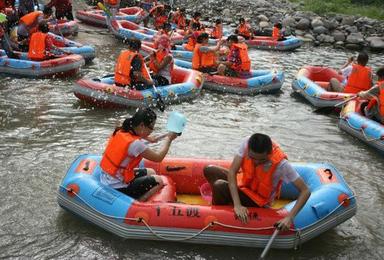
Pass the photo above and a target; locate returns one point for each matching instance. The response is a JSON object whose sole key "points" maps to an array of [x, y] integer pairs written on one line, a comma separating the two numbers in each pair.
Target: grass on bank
{"points": [[370, 8]]}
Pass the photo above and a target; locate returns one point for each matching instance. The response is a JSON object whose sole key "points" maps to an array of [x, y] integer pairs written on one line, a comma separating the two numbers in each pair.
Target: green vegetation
{"points": [[369, 8]]}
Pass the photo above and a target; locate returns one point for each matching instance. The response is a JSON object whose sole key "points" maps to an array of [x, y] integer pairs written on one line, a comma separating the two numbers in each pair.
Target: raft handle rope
{"points": [[369, 139], [141, 220]]}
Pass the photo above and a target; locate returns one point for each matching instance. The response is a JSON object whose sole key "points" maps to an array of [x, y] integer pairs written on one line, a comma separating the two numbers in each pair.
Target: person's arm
{"points": [[347, 63], [240, 211], [371, 93], [206, 49], [285, 223], [158, 156], [136, 68]]}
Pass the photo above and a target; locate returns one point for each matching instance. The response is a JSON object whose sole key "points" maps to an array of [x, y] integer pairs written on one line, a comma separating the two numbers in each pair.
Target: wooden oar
{"points": [[328, 110]]}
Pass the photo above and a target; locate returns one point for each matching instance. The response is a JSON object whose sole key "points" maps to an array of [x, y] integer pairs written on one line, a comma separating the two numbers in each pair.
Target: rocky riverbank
{"points": [[339, 30]]}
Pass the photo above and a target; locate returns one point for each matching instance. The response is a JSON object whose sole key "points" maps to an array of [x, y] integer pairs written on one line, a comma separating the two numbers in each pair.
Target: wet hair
{"points": [[195, 26], [47, 10], [196, 14], [134, 44], [167, 26], [218, 21], [278, 26], [362, 58], [144, 115], [260, 143], [202, 37], [43, 27], [233, 38], [241, 20], [380, 72]]}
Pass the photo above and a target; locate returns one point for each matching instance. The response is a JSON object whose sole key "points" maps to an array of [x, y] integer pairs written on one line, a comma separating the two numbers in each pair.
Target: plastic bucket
{"points": [[206, 192], [176, 122]]}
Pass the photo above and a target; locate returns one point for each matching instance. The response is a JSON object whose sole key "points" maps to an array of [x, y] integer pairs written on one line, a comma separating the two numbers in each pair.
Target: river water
{"points": [[44, 127]]}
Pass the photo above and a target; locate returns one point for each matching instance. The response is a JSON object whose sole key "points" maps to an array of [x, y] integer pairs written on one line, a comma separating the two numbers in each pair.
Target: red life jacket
{"points": [[256, 183], [123, 67], [110, 2], [243, 52], [160, 55], [359, 80], [116, 152], [37, 47], [202, 59], [160, 20], [275, 33]]}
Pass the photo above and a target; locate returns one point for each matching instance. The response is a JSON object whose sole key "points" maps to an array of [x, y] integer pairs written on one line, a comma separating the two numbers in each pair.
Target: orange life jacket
{"points": [[243, 51], [359, 80], [190, 46], [116, 152], [256, 183], [37, 46], [31, 19], [202, 59], [217, 32], [123, 67], [381, 98], [275, 33], [160, 55], [243, 29]]}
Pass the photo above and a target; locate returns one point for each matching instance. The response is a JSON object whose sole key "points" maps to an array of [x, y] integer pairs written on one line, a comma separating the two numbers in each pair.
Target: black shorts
{"points": [[141, 184]]}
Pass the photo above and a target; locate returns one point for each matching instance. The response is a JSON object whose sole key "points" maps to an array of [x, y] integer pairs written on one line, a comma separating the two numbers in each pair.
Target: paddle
{"points": [[104, 8], [160, 103], [327, 110], [269, 244]]}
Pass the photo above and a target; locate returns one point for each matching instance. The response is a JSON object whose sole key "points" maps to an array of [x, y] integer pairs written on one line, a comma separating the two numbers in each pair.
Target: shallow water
{"points": [[44, 127]]}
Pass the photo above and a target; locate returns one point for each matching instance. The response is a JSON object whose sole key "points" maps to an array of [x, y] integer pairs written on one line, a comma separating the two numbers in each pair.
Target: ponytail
{"points": [[143, 115]]}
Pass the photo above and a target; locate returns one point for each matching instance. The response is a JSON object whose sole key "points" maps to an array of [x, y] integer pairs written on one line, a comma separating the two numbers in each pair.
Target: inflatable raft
{"points": [[87, 51], [186, 85], [259, 81], [177, 212], [311, 82], [63, 27], [61, 67], [97, 17], [353, 121], [268, 43], [126, 30]]}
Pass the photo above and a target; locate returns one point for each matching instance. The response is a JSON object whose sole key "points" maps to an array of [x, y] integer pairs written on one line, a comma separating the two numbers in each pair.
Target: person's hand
{"points": [[242, 213], [172, 136], [284, 224], [363, 94], [351, 59]]}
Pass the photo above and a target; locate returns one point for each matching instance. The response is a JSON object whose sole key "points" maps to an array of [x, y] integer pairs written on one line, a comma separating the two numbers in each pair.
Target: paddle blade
{"points": [[105, 9]]}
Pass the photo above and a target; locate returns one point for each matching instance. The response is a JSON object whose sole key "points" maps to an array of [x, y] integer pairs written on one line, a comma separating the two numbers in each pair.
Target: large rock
{"points": [[303, 24], [309, 37], [319, 30], [377, 45], [264, 24], [226, 12], [355, 47], [338, 36], [317, 22], [299, 32], [262, 18], [355, 38], [351, 29], [348, 20], [288, 21]]}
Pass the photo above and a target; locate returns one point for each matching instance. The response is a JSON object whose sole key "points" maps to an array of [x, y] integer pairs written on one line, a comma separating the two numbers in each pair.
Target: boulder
{"points": [[351, 29], [288, 21], [309, 37], [355, 38], [264, 24], [348, 20], [303, 24], [317, 22], [355, 47], [338, 36], [262, 18], [377, 45], [299, 32], [226, 12], [319, 30]]}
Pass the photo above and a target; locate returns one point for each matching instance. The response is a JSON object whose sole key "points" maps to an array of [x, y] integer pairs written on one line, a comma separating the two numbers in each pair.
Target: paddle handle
{"points": [[346, 101], [269, 244]]}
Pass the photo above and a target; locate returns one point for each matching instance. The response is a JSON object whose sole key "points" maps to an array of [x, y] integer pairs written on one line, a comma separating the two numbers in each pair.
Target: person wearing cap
{"points": [[6, 44], [130, 69], [125, 150], [161, 62]]}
